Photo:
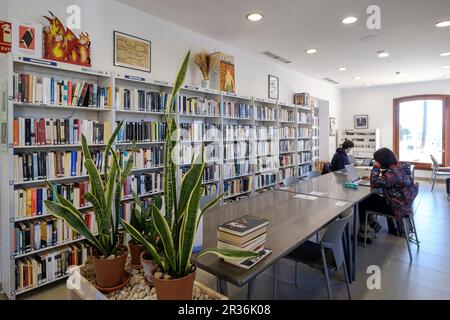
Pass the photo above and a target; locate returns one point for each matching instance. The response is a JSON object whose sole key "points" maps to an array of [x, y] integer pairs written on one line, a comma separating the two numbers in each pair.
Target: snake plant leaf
{"points": [[181, 76], [147, 245], [210, 205], [99, 218], [109, 145], [188, 227], [85, 148], [165, 233], [78, 224], [64, 202], [97, 187], [227, 254]]}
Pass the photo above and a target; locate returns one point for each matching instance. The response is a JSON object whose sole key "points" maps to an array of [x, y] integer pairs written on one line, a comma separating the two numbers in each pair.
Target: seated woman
{"points": [[340, 158], [394, 180]]}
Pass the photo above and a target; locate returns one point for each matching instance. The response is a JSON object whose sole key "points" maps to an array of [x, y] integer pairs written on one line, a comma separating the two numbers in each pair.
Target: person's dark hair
{"points": [[348, 144], [385, 157]]}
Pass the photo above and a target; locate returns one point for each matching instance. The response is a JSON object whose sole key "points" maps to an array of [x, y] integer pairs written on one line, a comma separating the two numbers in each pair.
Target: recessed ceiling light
{"points": [[357, 78], [383, 54], [349, 20], [443, 24], [311, 51], [445, 54], [342, 69], [254, 17], [368, 84]]}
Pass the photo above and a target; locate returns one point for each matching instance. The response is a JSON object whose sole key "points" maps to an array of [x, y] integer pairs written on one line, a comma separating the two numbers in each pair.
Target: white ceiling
{"points": [[290, 27]]}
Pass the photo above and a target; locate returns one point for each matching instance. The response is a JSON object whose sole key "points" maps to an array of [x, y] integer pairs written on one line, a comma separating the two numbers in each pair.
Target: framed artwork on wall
{"points": [[274, 87], [332, 127], [362, 122], [132, 52], [27, 39]]}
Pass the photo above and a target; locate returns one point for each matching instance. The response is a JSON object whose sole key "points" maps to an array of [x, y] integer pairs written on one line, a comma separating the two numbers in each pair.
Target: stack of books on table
{"points": [[245, 234]]}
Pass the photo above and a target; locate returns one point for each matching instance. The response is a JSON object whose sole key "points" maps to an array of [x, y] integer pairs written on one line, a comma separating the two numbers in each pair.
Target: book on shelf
{"points": [[243, 226], [198, 106], [250, 263], [141, 131], [266, 133], [237, 110], [30, 88], [237, 168], [237, 132], [266, 113], [237, 186], [140, 100], [143, 184], [48, 131], [264, 180], [143, 157], [198, 131], [237, 149], [210, 173], [188, 152], [210, 189]]}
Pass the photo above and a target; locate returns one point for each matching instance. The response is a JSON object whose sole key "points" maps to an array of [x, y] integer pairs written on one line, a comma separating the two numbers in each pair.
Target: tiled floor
{"points": [[426, 277]]}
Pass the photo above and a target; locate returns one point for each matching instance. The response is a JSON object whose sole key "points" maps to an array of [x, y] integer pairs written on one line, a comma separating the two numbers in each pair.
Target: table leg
{"points": [[275, 280], [355, 241], [222, 286], [251, 294], [348, 252]]}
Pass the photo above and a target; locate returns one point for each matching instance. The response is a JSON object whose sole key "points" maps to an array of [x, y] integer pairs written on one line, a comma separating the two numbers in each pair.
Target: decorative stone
{"points": [[158, 275]]}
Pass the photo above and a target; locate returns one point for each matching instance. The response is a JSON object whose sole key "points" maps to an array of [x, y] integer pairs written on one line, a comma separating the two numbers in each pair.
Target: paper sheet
{"points": [[340, 204], [305, 197], [317, 193]]}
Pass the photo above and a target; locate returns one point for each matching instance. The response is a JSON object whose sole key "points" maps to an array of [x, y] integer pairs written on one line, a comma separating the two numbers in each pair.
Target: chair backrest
{"points": [[435, 163], [326, 168], [314, 174], [290, 181], [333, 238]]}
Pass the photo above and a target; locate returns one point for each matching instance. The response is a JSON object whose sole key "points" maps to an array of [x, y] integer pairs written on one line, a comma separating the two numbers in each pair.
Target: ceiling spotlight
{"points": [[445, 54], [254, 17], [443, 24], [349, 20], [357, 78], [383, 54], [311, 51], [342, 69]]}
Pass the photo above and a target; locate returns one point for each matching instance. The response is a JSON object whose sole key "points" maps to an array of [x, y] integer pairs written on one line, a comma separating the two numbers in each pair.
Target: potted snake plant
{"points": [[109, 255], [177, 227]]}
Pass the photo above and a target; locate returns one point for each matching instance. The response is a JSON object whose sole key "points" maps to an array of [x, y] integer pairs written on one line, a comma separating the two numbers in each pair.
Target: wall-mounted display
{"points": [[223, 72], [132, 52], [274, 87], [362, 122]]}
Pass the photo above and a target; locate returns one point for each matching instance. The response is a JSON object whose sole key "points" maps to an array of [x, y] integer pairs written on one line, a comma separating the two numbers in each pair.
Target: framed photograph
{"points": [[274, 86], [362, 122], [132, 52], [333, 129]]}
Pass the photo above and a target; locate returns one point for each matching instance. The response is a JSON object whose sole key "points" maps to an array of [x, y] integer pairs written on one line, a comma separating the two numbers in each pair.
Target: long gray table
{"points": [[292, 222], [331, 186]]}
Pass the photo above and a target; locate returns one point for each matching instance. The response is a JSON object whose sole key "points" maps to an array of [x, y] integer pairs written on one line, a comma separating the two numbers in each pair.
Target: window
{"points": [[421, 129]]}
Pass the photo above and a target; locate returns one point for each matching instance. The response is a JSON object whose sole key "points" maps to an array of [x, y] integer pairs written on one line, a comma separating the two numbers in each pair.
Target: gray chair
{"points": [[330, 251], [437, 171], [409, 227], [290, 181]]}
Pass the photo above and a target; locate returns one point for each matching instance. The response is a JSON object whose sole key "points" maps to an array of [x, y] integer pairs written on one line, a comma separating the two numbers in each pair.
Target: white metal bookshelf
{"points": [[366, 141], [10, 64]]}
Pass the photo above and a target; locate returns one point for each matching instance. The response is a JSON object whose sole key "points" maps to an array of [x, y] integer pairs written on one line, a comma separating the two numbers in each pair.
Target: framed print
{"points": [[362, 122], [27, 39], [5, 36], [332, 127], [274, 86], [132, 52]]}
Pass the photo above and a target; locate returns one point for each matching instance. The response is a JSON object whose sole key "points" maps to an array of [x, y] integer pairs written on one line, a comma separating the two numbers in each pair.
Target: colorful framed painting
{"points": [[132, 52]]}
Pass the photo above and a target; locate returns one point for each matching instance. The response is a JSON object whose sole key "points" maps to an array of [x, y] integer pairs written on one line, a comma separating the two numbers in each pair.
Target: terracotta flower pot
{"points": [[174, 289], [109, 273], [135, 251], [148, 266]]}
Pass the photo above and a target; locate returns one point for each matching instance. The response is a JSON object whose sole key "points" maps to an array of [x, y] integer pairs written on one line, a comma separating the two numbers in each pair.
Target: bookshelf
{"points": [[315, 132], [366, 141], [250, 143]]}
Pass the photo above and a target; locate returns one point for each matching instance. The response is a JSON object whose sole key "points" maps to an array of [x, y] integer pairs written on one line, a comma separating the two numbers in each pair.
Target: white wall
{"points": [[169, 44], [377, 102]]}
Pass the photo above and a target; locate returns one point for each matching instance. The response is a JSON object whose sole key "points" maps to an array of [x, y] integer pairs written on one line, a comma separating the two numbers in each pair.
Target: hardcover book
{"points": [[244, 225]]}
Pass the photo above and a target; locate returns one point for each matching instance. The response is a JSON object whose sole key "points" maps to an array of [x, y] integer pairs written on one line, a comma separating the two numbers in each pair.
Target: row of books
{"points": [[304, 145], [286, 173], [31, 202], [304, 170], [265, 180], [144, 184], [237, 186], [52, 165], [140, 100], [236, 169], [199, 131], [287, 146], [211, 172], [35, 132], [287, 160], [287, 115], [265, 148], [288, 133], [198, 106], [267, 163], [142, 131], [47, 232], [151, 157], [45, 267], [315, 133], [237, 132], [187, 152], [237, 110], [304, 157], [236, 150], [304, 132], [266, 113], [266, 133], [210, 189], [303, 117], [31, 88], [247, 233]]}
